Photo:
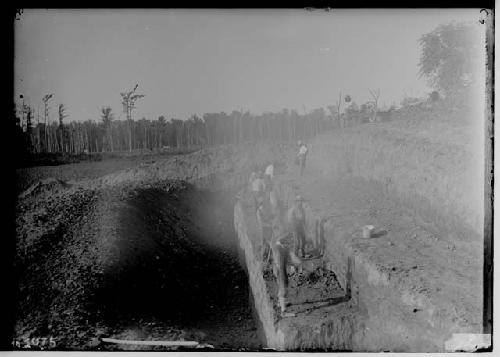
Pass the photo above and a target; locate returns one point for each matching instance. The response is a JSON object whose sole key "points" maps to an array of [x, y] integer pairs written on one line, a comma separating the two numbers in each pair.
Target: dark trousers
{"points": [[256, 195], [302, 163], [267, 233], [299, 237], [282, 257]]}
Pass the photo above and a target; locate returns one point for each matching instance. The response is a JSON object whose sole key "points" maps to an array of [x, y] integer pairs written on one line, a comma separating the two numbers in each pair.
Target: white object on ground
{"points": [[367, 231], [467, 342], [151, 343]]}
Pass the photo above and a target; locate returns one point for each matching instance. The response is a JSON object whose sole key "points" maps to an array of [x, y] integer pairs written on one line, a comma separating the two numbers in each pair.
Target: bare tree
{"points": [[62, 115], [46, 116], [335, 110], [338, 104], [128, 101], [375, 95], [107, 120]]}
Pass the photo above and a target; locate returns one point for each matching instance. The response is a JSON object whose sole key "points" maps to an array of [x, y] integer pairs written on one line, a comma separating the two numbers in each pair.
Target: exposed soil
{"points": [[307, 290], [156, 262], [26, 177], [439, 264]]}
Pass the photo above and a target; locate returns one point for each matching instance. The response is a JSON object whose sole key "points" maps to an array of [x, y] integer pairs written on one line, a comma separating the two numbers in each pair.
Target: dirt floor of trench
{"points": [[150, 263]]}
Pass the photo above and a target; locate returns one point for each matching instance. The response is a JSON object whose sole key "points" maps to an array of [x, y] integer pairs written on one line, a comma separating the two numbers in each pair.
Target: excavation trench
{"points": [[173, 270], [184, 264]]}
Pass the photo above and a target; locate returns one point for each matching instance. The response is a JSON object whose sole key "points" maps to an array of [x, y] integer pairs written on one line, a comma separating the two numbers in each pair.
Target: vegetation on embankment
{"points": [[432, 158]]}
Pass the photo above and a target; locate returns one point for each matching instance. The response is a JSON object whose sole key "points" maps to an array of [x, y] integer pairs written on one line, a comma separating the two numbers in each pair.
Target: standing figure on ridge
{"points": [[302, 156]]}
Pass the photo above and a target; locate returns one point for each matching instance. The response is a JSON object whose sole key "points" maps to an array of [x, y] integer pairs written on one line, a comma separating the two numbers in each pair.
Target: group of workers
{"points": [[283, 230]]}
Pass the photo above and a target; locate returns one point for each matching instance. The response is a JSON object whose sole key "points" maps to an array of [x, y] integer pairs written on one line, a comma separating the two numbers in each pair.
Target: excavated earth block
{"points": [[324, 318]]}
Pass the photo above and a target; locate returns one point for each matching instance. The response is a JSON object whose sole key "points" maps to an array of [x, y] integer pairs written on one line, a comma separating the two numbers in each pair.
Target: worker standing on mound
{"points": [[270, 171], [297, 222], [283, 256], [301, 156], [265, 220], [268, 178]]}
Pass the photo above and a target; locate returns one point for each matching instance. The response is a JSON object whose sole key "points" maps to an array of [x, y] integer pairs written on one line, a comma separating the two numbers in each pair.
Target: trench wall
{"points": [[275, 338]]}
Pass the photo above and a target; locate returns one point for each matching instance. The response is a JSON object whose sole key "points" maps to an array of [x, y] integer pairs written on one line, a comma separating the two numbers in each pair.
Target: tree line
{"points": [[109, 135]]}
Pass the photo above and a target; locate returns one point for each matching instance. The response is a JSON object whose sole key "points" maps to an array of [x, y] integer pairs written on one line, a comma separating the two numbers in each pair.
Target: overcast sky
{"points": [[188, 61]]}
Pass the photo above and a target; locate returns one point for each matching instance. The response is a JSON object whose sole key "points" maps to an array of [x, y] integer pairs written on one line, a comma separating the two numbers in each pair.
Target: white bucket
{"points": [[367, 231]]}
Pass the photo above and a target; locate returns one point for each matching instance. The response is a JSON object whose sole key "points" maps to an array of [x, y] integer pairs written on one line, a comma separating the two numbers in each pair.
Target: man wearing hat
{"points": [[297, 222], [258, 189]]}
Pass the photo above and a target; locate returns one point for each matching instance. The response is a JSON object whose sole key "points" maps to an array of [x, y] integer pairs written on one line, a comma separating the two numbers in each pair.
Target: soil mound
{"points": [[148, 260]]}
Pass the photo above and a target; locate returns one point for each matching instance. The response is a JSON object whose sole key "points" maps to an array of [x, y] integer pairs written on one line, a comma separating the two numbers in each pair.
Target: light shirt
{"points": [[270, 171], [303, 150], [258, 185]]}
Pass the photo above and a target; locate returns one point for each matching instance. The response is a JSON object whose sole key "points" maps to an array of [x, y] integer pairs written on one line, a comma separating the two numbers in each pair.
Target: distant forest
{"points": [[44, 135]]}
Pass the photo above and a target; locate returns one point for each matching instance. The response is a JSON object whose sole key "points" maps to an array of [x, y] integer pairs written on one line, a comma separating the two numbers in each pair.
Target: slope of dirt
{"points": [[230, 164], [156, 262], [26, 177], [434, 161], [87, 166]]}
